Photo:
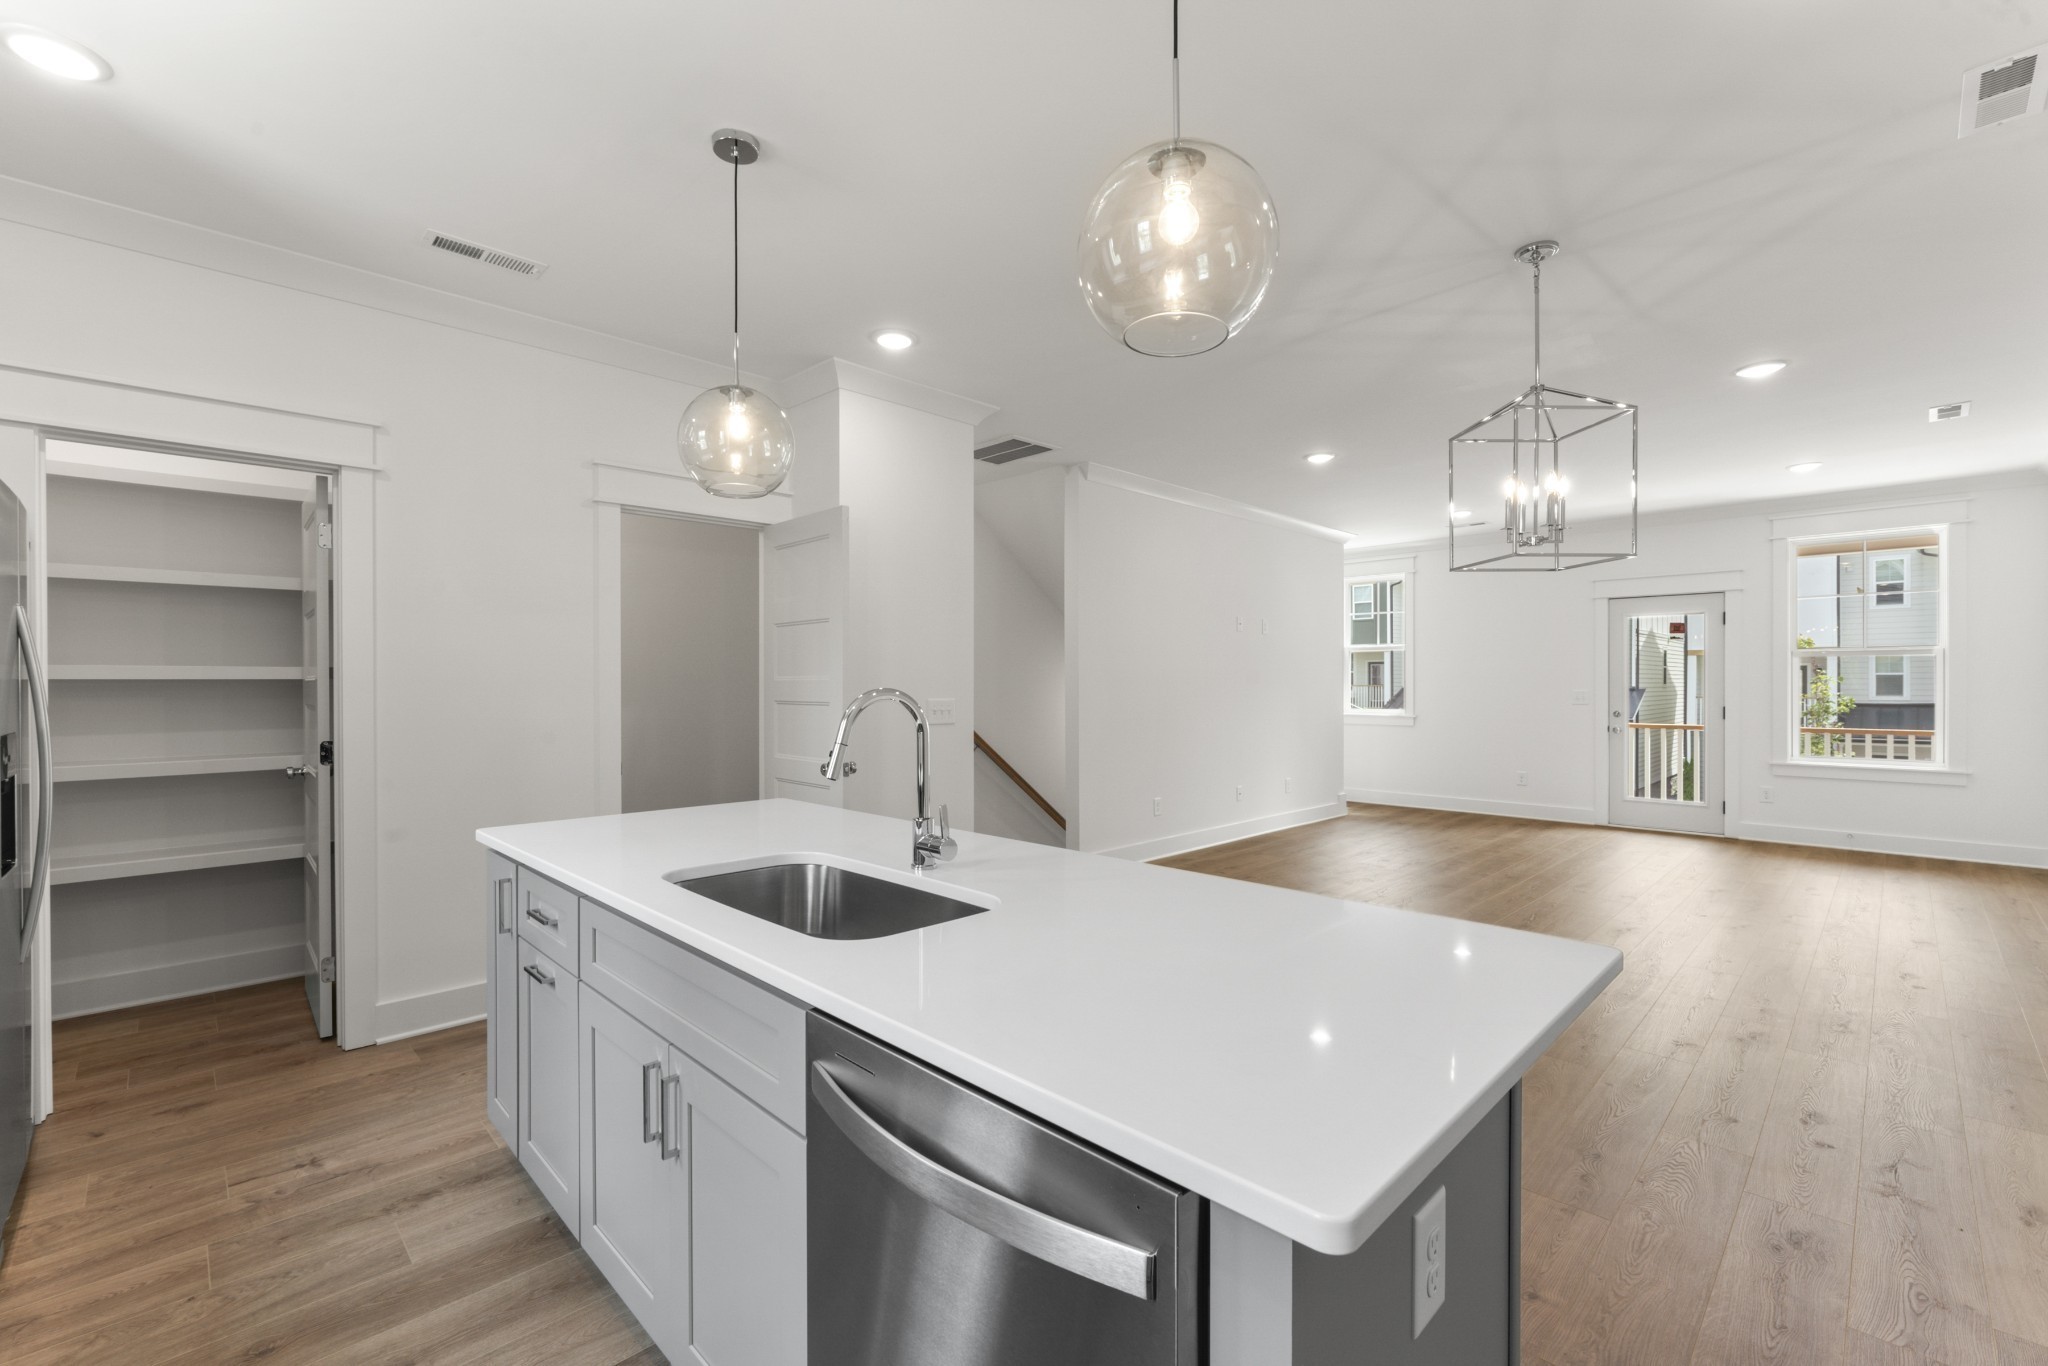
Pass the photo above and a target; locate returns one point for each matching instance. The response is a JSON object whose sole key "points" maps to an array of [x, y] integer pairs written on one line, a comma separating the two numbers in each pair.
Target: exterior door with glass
{"points": [[1665, 710]]}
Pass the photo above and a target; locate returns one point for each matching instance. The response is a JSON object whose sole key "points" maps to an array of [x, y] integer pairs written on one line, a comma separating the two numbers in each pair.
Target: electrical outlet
{"points": [[1581, 698], [1158, 806], [1429, 1260], [1240, 791], [1287, 784], [939, 711], [1262, 626], [1521, 780], [1240, 623], [1765, 794]]}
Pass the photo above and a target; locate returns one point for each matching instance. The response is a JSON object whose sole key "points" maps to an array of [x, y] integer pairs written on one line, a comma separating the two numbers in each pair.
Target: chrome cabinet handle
{"points": [[671, 1089], [536, 913], [533, 970], [1034, 1232], [46, 788], [504, 886], [650, 1130], [298, 772]]}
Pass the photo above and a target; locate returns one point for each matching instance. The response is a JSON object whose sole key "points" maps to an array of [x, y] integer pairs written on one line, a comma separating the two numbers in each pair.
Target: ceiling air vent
{"points": [[2007, 89], [1948, 412], [1008, 449], [490, 256]]}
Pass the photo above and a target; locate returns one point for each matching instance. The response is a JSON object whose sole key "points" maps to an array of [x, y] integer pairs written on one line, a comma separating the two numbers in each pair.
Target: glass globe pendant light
{"points": [[734, 440], [1179, 243]]}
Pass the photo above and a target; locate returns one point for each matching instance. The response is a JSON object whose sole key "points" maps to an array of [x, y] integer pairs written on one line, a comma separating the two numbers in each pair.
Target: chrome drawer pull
{"points": [[504, 885], [533, 971], [649, 1130], [536, 913], [1033, 1232], [671, 1088]]}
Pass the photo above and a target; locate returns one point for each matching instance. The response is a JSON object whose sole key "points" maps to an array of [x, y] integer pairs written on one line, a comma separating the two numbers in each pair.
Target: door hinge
{"points": [[1724, 808], [1724, 618], [327, 535], [327, 746], [327, 965], [1724, 717]]}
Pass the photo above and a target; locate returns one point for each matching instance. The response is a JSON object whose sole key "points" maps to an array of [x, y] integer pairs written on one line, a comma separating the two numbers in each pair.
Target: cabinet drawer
{"points": [[547, 916], [741, 1031]]}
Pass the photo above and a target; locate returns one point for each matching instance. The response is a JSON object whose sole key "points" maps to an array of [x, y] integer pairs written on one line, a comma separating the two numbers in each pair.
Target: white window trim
{"points": [[1877, 601], [1951, 520], [1402, 572]]}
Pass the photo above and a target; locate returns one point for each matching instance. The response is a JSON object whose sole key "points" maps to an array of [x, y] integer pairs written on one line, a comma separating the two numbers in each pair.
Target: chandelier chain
{"points": [[1176, 72]]}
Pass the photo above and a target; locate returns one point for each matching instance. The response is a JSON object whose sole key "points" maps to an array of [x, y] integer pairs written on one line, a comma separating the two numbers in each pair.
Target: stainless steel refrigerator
{"points": [[25, 778]]}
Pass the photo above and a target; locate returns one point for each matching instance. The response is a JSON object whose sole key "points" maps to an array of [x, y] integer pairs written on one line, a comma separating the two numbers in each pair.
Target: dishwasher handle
{"points": [[1033, 1232]]}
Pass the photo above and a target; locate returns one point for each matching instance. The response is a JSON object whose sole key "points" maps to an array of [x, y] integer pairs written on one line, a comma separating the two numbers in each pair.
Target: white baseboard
{"points": [[1224, 834], [1914, 846], [170, 981], [428, 1012], [1528, 811]]}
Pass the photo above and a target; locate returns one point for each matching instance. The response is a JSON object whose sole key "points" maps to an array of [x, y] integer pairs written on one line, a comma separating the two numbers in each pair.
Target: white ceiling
{"points": [[1733, 181]]}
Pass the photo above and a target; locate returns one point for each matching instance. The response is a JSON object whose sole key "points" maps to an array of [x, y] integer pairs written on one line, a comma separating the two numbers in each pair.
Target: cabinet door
{"points": [[501, 1001], [636, 1194], [549, 1095], [747, 1253]]}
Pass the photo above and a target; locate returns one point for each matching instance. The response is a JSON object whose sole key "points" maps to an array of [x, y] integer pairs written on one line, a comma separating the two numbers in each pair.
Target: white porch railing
{"points": [[1846, 742], [1662, 759]]}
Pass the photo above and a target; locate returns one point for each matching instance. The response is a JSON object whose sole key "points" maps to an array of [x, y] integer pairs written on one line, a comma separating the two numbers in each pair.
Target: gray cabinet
{"points": [[644, 1089], [501, 991], [747, 1231], [635, 1183], [549, 1096]]}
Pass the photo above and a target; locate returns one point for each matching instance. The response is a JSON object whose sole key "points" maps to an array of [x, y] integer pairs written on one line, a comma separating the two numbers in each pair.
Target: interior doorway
{"points": [[1665, 713], [689, 656]]}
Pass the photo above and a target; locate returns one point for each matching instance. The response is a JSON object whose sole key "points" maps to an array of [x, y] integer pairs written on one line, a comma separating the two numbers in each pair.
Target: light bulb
{"points": [[737, 427], [1179, 220], [1507, 488]]}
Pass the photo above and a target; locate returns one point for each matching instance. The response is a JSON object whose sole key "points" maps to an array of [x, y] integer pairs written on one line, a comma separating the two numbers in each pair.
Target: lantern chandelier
{"points": [[734, 440], [1517, 452], [1179, 243]]}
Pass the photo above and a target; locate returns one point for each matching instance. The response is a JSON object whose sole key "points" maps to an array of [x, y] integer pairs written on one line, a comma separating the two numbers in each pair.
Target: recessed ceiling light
{"points": [[1321, 458], [894, 339], [1804, 467], [58, 56], [1763, 369]]}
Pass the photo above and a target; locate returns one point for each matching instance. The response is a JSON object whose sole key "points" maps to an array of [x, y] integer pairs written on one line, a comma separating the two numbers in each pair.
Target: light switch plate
{"points": [[1429, 1260], [1581, 697], [939, 711]]}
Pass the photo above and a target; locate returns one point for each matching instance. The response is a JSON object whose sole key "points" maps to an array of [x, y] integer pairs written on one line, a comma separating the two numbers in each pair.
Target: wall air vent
{"points": [[2007, 89], [1948, 412], [1010, 448], [490, 256]]}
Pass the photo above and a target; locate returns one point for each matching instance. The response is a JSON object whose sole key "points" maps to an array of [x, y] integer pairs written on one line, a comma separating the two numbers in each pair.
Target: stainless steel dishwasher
{"points": [[949, 1229]]}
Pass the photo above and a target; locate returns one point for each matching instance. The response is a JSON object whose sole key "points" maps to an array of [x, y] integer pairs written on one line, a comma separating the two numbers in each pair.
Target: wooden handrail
{"points": [[1858, 730], [1014, 776]]}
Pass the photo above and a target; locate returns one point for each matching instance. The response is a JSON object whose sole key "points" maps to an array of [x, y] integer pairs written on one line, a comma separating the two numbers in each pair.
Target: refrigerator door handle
{"points": [[1033, 1232], [46, 786]]}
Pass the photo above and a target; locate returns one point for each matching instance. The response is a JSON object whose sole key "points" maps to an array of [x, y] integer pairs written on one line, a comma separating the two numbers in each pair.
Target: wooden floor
{"points": [[217, 1186], [1809, 1124]]}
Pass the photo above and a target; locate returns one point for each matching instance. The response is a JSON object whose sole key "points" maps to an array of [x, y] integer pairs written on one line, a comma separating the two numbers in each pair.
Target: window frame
{"points": [[1405, 647], [1791, 758], [1878, 581]]}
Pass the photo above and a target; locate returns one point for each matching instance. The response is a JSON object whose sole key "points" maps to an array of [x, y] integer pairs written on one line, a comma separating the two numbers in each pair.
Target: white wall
{"points": [[485, 553], [1202, 658], [906, 477], [1499, 656], [1020, 669]]}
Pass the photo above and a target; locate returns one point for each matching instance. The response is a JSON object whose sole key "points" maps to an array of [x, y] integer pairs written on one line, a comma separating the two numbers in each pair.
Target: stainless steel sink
{"points": [[826, 902]]}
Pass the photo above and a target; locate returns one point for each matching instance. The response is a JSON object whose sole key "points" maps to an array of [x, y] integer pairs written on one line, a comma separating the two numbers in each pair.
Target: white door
{"points": [[1665, 708], [315, 769], [803, 653]]}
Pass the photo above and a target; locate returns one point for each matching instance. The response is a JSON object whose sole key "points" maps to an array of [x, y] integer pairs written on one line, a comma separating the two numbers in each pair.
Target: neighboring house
{"points": [[1900, 606]]}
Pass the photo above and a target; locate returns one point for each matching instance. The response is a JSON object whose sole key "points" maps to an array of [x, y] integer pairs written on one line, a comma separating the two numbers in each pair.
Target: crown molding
{"points": [[1195, 498], [833, 373], [58, 211]]}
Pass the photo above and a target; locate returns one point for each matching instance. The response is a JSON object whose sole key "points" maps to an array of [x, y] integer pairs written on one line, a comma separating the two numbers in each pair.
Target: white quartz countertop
{"points": [[1301, 1060]]}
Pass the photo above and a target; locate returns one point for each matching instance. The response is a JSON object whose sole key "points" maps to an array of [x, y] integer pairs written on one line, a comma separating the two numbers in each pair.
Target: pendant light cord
{"points": [[736, 270], [1176, 72], [1536, 266]]}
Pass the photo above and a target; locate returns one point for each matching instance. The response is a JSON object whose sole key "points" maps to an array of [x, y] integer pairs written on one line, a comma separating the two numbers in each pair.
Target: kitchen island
{"points": [[1313, 1070]]}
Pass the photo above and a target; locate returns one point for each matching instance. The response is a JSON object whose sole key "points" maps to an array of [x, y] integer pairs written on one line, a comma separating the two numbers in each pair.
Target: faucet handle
{"points": [[942, 824]]}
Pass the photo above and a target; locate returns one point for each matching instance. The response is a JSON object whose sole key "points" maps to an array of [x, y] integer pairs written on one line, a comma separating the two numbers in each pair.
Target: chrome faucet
{"points": [[931, 840]]}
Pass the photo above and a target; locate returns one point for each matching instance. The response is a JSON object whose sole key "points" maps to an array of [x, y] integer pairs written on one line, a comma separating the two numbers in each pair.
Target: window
{"points": [[1376, 645], [1868, 649]]}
